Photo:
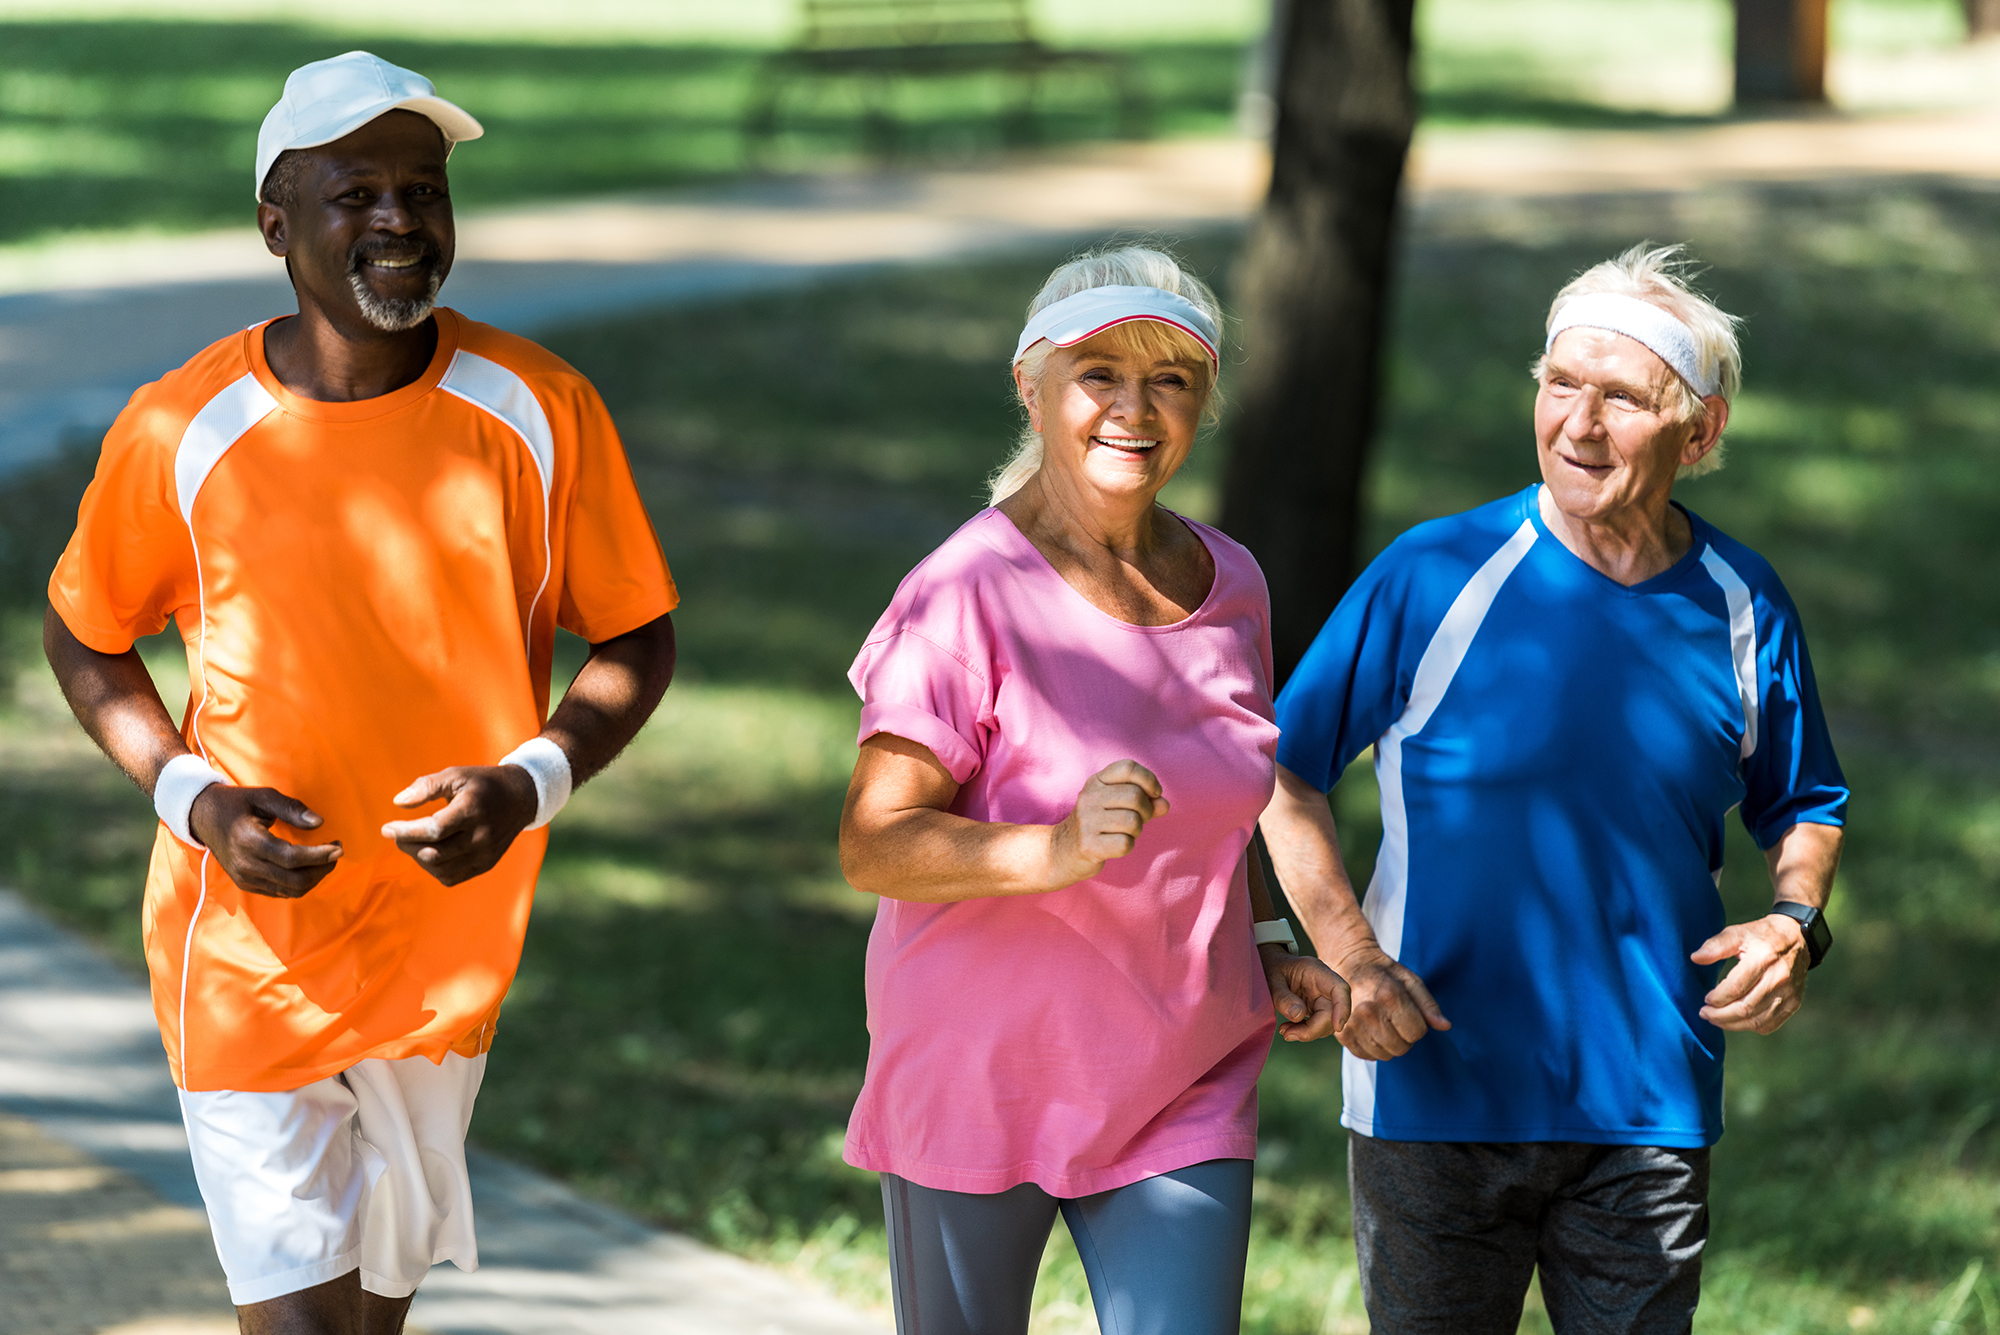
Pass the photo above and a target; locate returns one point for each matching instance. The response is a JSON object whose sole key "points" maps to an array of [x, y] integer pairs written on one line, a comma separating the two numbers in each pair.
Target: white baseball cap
{"points": [[331, 98]]}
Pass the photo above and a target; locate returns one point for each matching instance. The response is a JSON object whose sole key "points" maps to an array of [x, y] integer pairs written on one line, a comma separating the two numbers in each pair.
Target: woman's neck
{"points": [[1052, 514]]}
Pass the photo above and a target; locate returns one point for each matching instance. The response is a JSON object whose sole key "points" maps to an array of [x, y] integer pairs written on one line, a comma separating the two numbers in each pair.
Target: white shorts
{"points": [[364, 1170]]}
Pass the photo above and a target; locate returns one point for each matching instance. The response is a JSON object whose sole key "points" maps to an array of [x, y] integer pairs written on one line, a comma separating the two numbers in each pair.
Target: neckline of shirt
{"points": [[1048, 566], [1655, 584], [357, 410]]}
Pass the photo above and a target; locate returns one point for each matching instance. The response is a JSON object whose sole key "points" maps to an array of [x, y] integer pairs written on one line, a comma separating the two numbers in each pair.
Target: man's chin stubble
{"points": [[394, 316]]}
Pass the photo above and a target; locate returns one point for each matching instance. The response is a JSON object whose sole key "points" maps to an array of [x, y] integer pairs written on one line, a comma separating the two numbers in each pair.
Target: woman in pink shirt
{"points": [[1066, 742]]}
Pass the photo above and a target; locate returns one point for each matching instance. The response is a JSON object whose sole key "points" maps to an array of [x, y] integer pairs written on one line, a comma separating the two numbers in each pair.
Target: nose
{"points": [[394, 214], [1586, 416], [1133, 403]]}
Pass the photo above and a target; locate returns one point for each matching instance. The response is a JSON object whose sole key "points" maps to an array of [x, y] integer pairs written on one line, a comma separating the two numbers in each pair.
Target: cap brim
{"points": [[453, 122], [456, 123]]}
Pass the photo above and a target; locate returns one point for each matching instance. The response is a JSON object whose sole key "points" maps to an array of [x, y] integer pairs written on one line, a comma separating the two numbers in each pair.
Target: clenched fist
{"points": [[1112, 808]]}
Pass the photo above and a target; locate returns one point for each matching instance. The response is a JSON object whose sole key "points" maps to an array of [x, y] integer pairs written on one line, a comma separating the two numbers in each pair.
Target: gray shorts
{"points": [[1450, 1234]]}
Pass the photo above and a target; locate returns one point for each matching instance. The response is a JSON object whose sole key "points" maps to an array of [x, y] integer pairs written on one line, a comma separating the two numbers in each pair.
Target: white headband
{"points": [[1672, 340], [1094, 310]]}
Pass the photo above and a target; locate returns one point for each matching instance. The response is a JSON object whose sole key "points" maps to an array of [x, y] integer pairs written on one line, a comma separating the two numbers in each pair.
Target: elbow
{"points": [[857, 869], [661, 654]]}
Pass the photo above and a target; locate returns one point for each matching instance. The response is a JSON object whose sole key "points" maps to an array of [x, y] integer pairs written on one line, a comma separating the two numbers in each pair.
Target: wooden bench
{"points": [[877, 43]]}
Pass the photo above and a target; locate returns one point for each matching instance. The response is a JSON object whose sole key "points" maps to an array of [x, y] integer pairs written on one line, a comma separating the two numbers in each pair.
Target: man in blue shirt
{"points": [[1568, 691]]}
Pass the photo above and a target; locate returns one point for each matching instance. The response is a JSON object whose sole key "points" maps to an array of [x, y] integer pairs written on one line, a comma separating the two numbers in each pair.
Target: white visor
{"points": [[1094, 310], [1669, 338]]}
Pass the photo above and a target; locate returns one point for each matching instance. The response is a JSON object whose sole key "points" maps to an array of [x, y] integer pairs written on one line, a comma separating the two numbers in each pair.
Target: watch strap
{"points": [[1812, 925], [1276, 932]]}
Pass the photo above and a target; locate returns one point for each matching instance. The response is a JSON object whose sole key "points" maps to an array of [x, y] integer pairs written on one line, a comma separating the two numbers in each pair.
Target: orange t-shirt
{"points": [[368, 593]]}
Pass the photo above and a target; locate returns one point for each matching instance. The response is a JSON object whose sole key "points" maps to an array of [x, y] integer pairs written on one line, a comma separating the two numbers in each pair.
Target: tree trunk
{"points": [[1313, 287], [1982, 18], [1781, 50]]}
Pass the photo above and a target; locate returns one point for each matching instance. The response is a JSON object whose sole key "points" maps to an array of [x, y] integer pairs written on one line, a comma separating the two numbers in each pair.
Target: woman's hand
{"points": [[900, 839], [1305, 993], [1112, 808]]}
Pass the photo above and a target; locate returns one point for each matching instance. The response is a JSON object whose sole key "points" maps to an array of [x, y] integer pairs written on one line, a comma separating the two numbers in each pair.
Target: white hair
{"points": [[1658, 276], [1120, 266]]}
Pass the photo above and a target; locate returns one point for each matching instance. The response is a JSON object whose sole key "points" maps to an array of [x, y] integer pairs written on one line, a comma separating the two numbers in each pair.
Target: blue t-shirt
{"points": [[1557, 754]]}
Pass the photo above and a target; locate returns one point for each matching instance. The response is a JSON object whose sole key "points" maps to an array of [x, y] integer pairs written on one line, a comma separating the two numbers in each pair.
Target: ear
{"points": [[271, 222], [1715, 419], [1030, 394]]}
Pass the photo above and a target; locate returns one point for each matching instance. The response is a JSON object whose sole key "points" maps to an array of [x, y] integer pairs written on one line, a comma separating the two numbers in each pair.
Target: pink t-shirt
{"points": [[1113, 1030]]}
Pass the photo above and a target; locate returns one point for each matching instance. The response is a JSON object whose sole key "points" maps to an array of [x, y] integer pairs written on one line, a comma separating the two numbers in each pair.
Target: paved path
{"points": [[92, 1161], [101, 1228], [83, 323]]}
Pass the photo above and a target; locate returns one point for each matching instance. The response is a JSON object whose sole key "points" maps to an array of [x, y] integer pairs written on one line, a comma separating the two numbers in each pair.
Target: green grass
{"points": [[687, 1032], [153, 122], [137, 114]]}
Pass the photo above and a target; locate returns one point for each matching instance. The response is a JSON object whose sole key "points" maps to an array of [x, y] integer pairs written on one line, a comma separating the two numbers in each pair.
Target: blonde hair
{"points": [[1146, 340], [1658, 276]]}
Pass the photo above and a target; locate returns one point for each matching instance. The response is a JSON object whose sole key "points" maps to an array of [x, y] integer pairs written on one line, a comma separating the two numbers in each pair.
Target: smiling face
{"points": [[1116, 423], [368, 230], [1608, 429]]}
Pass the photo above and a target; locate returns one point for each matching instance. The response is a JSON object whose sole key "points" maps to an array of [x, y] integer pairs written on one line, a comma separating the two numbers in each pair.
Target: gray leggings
{"points": [[1164, 1255]]}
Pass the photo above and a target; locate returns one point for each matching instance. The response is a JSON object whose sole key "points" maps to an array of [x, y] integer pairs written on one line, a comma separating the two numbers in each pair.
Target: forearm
{"points": [[934, 857], [611, 698], [1803, 863], [115, 701], [1262, 909], [1305, 848]]}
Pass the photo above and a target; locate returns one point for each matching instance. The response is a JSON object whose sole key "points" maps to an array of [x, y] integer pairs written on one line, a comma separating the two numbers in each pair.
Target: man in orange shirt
{"points": [[367, 522]]}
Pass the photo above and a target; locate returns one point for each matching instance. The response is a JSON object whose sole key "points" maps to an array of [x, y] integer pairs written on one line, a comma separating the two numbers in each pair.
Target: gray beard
{"points": [[393, 317]]}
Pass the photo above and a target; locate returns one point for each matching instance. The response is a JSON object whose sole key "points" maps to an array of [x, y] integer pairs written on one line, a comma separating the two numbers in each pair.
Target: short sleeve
{"points": [[1350, 684], [1792, 777], [615, 578], [913, 687], [130, 564]]}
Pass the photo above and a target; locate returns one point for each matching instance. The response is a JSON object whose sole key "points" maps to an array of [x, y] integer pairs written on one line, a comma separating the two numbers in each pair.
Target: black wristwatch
{"points": [[1819, 937]]}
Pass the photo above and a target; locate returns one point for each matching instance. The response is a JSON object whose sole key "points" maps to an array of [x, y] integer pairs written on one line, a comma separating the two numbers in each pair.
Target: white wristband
{"points": [[1276, 932], [181, 781], [549, 768]]}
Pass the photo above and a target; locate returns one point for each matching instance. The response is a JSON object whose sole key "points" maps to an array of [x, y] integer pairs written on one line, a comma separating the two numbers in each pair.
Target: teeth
{"points": [[1126, 442], [395, 264]]}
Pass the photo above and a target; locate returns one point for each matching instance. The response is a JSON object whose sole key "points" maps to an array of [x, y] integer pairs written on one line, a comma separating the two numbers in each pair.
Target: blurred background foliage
{"points": [[143, 113], [686, 1035]]}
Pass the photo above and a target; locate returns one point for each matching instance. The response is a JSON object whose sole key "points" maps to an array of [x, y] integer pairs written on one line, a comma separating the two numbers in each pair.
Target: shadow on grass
{"points": [[687, 1029], [127, 122], [1512, 106]]}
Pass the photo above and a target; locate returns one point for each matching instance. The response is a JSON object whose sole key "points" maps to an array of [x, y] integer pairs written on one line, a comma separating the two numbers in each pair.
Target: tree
{"points": [[1313, 286], [1982, 18], [1781, 50]]}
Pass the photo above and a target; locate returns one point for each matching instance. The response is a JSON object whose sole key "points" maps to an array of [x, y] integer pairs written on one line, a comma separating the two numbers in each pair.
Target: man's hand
{"points": [[1769, 981], [1390, 1008], [1305, 992], [486, 807], [235, 824], [1112, 808]]}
